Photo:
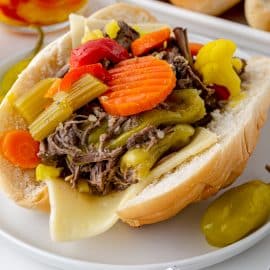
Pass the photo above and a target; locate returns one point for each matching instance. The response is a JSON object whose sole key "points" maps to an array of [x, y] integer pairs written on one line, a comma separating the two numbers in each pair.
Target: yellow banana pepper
{"points": [[91, 35], [44, 172], [214, 63], [112, 28]]}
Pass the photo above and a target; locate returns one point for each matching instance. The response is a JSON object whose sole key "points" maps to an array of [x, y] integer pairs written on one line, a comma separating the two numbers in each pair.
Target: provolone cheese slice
{"points": [[76, 215]]}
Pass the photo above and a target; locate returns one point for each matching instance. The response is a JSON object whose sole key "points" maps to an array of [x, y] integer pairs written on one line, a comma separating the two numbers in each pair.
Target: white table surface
{"points": [[10, 259]]}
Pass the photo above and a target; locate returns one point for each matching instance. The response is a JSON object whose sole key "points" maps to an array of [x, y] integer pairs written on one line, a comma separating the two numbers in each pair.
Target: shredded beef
{"points": [[149, 135], [68, 147], [95, 163], [91, 155], [126, 35], [186, 75]]}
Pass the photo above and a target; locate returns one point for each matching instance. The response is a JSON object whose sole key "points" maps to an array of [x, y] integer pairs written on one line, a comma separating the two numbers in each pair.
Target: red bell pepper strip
{"points": [[94, 51], [97, 70], [221, 92]]}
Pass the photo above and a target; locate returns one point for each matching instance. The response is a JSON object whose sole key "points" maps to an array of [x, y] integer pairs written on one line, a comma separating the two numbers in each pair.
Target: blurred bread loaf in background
{"points": [[211, 7], [258, 13]]}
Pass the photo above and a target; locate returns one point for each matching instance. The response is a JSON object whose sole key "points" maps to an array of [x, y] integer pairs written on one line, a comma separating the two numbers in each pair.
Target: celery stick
{"points": [[49, 119], [31, 104], [85, 90]]}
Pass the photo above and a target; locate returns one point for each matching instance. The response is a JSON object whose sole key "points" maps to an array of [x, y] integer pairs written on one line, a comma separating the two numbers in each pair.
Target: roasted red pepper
{"points": [[221, 92], [97, 70], [94, 51]]}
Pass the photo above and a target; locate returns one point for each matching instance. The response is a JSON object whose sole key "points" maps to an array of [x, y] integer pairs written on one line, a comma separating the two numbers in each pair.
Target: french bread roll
{"points": [[211, 7], [237, 129], [258, 13]]}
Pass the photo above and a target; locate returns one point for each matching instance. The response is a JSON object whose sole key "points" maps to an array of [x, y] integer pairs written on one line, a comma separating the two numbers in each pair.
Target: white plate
{"points": [[176, 242]]}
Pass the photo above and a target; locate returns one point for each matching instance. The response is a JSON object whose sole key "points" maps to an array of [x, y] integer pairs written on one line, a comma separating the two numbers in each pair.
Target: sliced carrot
{"points": [[194, 48], [136, 60], [150, 41], [138, 85], [53, 89], [122, 93], [2, 136], [150, 82], [131, 102], [20, 149], [162, 75], [142, 69]]}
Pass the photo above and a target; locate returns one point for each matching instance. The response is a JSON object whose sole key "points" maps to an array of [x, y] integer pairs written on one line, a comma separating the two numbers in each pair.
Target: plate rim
{"points": [[207, 259]]}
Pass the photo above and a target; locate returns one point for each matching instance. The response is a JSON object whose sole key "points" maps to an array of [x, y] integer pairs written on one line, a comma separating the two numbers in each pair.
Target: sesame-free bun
{"points": [[237, 129], [211, 7]]}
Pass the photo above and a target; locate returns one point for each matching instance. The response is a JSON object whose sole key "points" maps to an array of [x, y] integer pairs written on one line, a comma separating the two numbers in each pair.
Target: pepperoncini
{"points": [[44, 172], [139, 30], [236, 213], [214, 63], [238, 65], [141, 160], [91, 35], [112, 28]]}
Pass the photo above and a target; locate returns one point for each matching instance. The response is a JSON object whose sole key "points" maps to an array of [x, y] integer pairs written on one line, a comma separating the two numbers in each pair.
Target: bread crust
{"points": [[258, 14], [211, 7], [223, 164], [20, 185], [125, 12]]}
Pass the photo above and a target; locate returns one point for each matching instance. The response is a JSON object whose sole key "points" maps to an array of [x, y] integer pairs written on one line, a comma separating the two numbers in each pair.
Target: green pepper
{"points": [[188, 107], [97, 132], [44, 172], [236, 213], [188, 103], [141, 160], [11, 75]]}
